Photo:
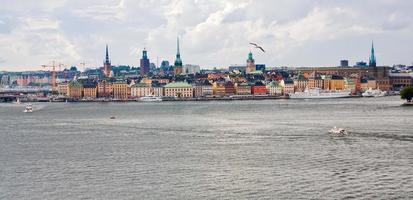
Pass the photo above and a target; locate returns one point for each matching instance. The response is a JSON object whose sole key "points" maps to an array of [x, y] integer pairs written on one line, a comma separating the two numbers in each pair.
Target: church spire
{"points": [[372, 60], [178, 61], [177, 47], [107, 55]]}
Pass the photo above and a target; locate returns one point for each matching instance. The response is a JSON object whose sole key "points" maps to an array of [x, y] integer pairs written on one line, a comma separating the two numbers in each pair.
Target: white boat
{"points": [[374, 93], [150, 98], [318, 93], [28, 109], [338, 132]]}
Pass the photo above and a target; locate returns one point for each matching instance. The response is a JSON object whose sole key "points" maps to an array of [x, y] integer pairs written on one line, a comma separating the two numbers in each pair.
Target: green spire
{"points": [[372, 60], [250, 58]]}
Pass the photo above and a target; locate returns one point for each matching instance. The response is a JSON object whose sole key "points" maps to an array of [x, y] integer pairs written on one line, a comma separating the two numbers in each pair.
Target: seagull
{"points": [[256, 46]]}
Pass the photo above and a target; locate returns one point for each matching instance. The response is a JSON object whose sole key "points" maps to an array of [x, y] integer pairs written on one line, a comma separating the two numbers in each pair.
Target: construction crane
{"points": [[53, 66]]}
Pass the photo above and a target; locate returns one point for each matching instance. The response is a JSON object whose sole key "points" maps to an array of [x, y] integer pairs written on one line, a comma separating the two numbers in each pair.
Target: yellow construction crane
{"points": [[53, 66]]}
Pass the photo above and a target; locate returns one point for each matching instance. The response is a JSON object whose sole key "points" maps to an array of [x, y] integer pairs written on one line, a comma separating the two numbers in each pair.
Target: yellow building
{"points": [[178, 89], [218, 88], [336, 83], [120, 90], [90, 90], [75, 89]]}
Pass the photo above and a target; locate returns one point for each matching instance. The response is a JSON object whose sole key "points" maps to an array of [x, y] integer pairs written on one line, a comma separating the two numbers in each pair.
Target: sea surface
{"points": [[269, 149]]}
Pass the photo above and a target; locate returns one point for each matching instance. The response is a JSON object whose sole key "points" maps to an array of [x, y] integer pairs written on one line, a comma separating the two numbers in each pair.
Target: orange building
{"points": [[104, 89], [336, 83]]}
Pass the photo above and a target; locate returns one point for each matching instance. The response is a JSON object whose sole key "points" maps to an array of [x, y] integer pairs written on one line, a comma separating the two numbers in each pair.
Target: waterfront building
{"points": [[242, 88], [178, 89], [75, 89], [400, 80], [229, 88], [203, 89], [372, 60], [336, 83], [250, 64], [259, 88], [107, 67], [157, 89], [63, 88], [218, 88], [178, 69], [145, 64], [384, 84], [288, 85], [300, 83], [120, 90], [141, 90], [315, 82], [274, 88], [89, 90], [105, 89]]}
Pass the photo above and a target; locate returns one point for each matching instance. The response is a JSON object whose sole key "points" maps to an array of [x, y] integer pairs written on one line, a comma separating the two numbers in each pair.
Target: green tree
{"points": [[407, 93]]}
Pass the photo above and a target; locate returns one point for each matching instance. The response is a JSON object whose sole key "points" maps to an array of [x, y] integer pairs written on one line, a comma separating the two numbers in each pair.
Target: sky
{"points": [[213, 33]]}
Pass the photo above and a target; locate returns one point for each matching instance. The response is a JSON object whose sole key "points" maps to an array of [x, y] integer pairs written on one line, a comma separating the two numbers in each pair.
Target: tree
{"points": [[407, 93]]}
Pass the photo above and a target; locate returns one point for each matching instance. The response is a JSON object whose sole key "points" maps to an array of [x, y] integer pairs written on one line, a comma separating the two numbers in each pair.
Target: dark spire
{"points": [[107, 55], [372, 60], [178, 61]]}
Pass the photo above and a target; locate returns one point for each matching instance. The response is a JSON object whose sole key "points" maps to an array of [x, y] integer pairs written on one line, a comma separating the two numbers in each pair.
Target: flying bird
{"points": [[257, 46]]}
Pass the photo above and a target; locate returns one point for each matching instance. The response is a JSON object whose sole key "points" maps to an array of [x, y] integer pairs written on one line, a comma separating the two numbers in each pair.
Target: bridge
{"points": [[11, 94]]}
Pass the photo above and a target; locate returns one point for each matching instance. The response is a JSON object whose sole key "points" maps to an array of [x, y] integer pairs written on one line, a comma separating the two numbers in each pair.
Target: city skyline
{"points": [[319, 33]]}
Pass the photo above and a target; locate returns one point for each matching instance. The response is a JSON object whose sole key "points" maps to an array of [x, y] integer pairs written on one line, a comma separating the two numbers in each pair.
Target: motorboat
{"points": [[338, 132], [28, 109], [374, 93], [318, 93], [150, 98]]}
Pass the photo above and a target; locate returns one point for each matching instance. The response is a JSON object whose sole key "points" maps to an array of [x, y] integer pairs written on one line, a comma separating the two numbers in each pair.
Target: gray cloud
{"points": [[214, 33]]}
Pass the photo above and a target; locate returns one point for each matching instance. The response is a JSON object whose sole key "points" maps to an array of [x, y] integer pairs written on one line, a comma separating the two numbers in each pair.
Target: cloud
{"points": [[213, 33]]}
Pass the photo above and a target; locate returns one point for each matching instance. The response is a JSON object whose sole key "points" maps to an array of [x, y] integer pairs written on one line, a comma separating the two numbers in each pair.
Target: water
{"points": [[272, 149]]}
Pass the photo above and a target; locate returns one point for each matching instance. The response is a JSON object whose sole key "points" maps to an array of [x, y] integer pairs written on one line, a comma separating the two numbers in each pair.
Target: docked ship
{"points": [[374, 93], [150, 98], [318, 93]]}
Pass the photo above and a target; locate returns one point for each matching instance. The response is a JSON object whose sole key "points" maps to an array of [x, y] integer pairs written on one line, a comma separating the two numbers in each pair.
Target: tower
{"points": [[107, 67], [178, 61], [144, 63], [250, 64], [372, 60]]}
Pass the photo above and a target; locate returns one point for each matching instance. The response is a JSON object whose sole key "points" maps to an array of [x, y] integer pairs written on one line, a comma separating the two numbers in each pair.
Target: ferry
{"points": [[318, 93], [28, 109], [374, 93], [150, 98]]}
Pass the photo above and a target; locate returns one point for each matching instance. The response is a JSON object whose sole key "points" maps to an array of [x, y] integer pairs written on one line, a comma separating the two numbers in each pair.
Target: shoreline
{"points": [[166, 99]]}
